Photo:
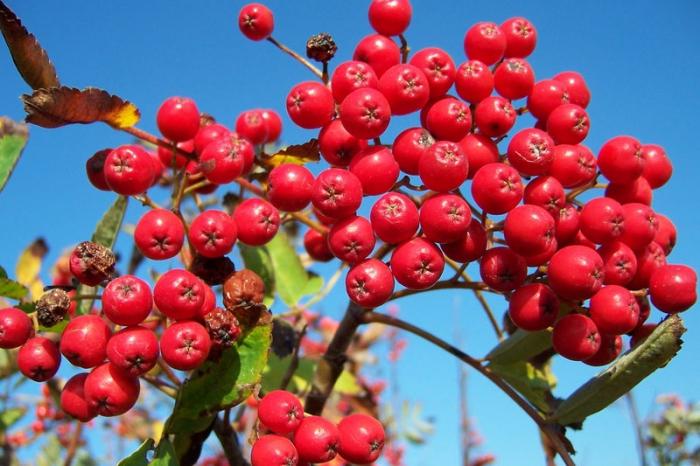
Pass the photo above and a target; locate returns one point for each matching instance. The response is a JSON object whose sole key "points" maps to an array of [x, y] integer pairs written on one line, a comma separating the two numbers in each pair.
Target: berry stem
{"points": [[146, 201], [169, 373], [196, 186], [405, 48], [296, 56], [80, 297], [441, 285], [148, 137], [160, 385], [574, 193], [73, 445]]}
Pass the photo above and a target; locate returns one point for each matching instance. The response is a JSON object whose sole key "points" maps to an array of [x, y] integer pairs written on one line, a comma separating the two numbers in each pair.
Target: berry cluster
{"points": [[296, 440]]}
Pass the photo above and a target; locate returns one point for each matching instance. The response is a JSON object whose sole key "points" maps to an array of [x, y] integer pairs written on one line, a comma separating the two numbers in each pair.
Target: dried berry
{"points": [[52, 307], [321, 47], [244, 288], [223, 330], [92, 263], [213, 271]]}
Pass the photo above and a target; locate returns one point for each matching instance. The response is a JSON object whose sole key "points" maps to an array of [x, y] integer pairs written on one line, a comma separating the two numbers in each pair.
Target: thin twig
{"points": [[442, 285], [296, 56], [229, 442], [160, 385], [145, 136], [74, 443], [634, 414], [146, 201], [169, 373], [405, 49]]}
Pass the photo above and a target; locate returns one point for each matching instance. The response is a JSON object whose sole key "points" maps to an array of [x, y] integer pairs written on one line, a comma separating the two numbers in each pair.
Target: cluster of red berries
{"points": [[299, 440], [611, 249]]}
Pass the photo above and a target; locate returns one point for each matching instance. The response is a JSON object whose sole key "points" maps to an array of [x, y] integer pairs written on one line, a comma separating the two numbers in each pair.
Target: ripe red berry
{"points": [[568, 124], [390, 17], [576, 337], [576, 272], [485, 42], [657, 165], [448, 119], [256, 21], [673, 288], [316, 440], [610, 349], [546, 95], [409, 146], [641, 226], [405, 87], [621, 159], [352, 75], [213, 233], [394, 218], [576, 87], [417, 264], [273, 450], [15, 328], [521, 37], [497, 188], [178, 119], [666, 234], [185, 345], [602, 220], [573, 166], [479, 150], [127, 300], [179, 294], [567, 222], [438, 67], [502, 269], [208, 134], [310, 105], [379, 52], [365, 113], [445, 218], [159, 234], [111, 391], [541, 258], [316, 244], [376, 169], [531, 151], [289, 187], [280, 411], [273, 124], [514, 78], [529, 230], [84, 341], [443, 167], [257, 221], [251, 125], [94, 166], [637, 191], [225, 159], [337, 146], [38, 359], [614, 310], [546, 192], [470, 247], [337, 193], [171, 158], [361, 438], [533, 307], [129, 170], [650, 259], [620, 263], [494, 116], [134, 350], [351, 239], [474, 81], [370, 283], [209, 302], [73, 401]]}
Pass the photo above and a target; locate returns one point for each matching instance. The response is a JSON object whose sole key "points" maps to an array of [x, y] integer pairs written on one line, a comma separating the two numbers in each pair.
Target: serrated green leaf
{"points": [[619, 378], [221, 384], [11, 289], [258, 260], [165, 454], [520, 346], [291, 278], [13, 138], [535, 384], [10, 416], [140, 456]]}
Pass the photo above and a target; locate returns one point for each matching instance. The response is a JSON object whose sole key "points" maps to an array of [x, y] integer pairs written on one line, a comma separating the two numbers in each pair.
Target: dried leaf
{"points": [[59, 106], [298, 154], [31, 60]]}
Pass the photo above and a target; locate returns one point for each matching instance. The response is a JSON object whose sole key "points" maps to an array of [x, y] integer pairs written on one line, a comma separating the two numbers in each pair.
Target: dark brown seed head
{"points": [[52, 307], [321, 47], [213, 271]]}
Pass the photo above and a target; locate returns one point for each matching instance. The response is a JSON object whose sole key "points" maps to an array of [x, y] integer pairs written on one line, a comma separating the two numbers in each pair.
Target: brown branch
{"points": [[405, 49], [296, 56], [148, 137], [229, 442], [74, 444]]}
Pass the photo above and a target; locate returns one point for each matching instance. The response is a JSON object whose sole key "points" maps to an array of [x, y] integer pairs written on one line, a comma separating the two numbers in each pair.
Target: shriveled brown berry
{"points": [[321, 47], [92, 263], [52, 307], [243, 289], [251, 316], [222, 326], [213, 271]]}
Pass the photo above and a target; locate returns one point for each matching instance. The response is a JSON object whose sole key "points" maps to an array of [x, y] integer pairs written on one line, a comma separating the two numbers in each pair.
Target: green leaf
{"points": [[140, 456], [291, 278], [313, 285], [301, 380], [58, 328], [3, 272], [8, 363], [534, 383], [9, 417], [221, 384], [13, 138], [258, 260], [11, 289], [633, 367], [165, 454], [520, 346], [28, 308]]}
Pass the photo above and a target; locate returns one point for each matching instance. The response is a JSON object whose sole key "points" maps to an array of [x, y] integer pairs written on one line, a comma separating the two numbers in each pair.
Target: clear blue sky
{"points": [[640, 61]]}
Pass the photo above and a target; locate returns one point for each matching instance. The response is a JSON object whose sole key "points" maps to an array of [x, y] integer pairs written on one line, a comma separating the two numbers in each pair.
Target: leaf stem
{"points": [[296, 56]]}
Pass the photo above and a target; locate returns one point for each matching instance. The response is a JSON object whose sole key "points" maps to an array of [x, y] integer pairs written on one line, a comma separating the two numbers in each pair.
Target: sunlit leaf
{"points": [[140, 456], [291, 278], [534, 383], [258, 260], [10, 416], [13, 138], [29, 265], [300, 382], [11, 289], [31, 60], [59, 106], [165, 454], [298, 154], [520, 346]]}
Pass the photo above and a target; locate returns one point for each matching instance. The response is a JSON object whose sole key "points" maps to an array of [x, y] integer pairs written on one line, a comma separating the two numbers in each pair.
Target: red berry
{"points": [[621, 159], [208, 134], [521, 37], [650, 259], [546, 192], [178, 119], [185, 345], [376, 169], [166, 154], [256, 21], [365, 113], [316, 244], [84, 341], [637, 191], [480, 150], [445, 218], [405, 87], [474, 81], [666, 234], [289, 187], [576, 87], [573, 166], [94, 166], [159, 234], [316, 440], [129, 170], [417, 264], [251, 125], [533, 307], [531, 151], [370, 283], [15, 328], [350, 76], [337, 193], [448, 119], [497, 188], [614, 310], [546, 95], [361, 438], [620, 263], [567, 222], [273, 450], [73, 401], [390, 17], [529, 230], [224, 160], [394, 218], [502, 269], [657, 166], [438, 67], [158, 166], [602, 220], [409, 146], [209, 302], [470, 247], [514, 78], [280, 411], [127, 300], [485, 42], [641, 226], [443, 167], [337, 146], [379, 52], [576, 337], [134, 350], [257, 221], [673, 288], [494, 116], [310, 105], [213, 233], [351, 239], [179, 294], [273, 124], [38, 359], [111, 391], [576, 272], [610, 349]]}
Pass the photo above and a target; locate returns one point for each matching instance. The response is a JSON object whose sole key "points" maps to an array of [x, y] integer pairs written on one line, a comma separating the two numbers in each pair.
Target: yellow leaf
{"points": [[29, 262], [298, 154]]}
